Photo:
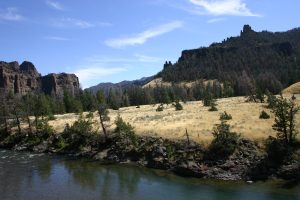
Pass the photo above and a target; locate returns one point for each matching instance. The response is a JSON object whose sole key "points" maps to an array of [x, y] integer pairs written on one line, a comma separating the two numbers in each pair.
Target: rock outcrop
{"points": [[56, 84], [24, 78]]}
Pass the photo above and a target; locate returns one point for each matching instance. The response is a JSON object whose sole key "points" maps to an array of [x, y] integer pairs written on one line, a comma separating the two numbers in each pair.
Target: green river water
{"points": [[37, 176]]}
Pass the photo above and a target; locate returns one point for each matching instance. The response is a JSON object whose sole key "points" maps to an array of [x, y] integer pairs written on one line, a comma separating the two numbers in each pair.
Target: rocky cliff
{"points": [[24, 78], [58, 83]]}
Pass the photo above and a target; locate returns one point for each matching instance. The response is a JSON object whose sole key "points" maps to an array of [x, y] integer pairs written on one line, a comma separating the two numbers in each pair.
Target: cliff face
{"points": [[58, 83], [24, 78], [20, 79]]}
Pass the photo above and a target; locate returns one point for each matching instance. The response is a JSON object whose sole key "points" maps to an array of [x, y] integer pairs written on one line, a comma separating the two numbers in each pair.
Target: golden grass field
{"points": [[194, 117]]}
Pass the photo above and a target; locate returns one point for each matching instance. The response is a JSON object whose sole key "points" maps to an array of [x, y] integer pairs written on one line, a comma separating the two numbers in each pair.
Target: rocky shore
{"points": [[248, 162]]}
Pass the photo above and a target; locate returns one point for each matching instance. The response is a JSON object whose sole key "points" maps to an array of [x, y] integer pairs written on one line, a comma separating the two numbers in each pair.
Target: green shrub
{"points": [[278, 152], [224, 142], [125, 131], [225, 116], [271, 100], [160, 108], [177, 106], [3, 134], [213, 107], [51, 117], [90, 115], [59, 142], [264, 115], [78, 135], [44, 130]]}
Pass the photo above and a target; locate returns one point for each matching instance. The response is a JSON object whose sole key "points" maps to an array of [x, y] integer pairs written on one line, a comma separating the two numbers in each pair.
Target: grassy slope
{"points": [[196, 118]]}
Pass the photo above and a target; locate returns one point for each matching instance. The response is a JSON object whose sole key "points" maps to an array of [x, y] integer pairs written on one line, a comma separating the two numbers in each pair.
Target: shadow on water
{"points": [[33, 176]]}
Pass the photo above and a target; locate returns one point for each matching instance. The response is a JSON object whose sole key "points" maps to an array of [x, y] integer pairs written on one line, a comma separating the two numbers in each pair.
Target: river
{"points": [[38, 176]]}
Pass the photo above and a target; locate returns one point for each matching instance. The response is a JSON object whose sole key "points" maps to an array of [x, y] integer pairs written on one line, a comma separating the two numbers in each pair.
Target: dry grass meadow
{"points": [[194, 117]]}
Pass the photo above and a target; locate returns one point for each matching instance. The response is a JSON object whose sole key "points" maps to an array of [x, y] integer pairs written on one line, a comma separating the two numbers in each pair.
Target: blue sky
{"points": [[111, 41]]}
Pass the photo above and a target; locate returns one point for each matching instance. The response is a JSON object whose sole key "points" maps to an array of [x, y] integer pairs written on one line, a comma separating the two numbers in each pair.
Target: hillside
{"points": [[195, 117], [293, 89], [158, 82], [263, 60]]}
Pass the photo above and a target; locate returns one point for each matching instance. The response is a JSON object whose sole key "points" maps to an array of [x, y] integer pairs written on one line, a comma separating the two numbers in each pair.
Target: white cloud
{"points": [[55, 38], [215, 20], [55, 5], [90, 73], [11, 14], [222, 7], [141, 38]]}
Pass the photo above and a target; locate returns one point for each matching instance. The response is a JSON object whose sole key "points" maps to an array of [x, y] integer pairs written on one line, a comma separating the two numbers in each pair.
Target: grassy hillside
{"points": [[293, 89], [194, 117]]}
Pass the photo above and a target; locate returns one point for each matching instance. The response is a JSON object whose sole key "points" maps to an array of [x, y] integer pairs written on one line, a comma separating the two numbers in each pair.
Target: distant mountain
{"points": [[105, 87], [263, 60]]}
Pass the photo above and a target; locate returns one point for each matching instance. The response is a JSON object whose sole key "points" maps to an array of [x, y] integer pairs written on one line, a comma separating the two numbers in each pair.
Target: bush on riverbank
{"points": [[224, 142], [79, 135], [125, 131]]}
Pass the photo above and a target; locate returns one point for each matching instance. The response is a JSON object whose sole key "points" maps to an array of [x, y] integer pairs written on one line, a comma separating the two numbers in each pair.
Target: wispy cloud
{"points": [[55, 38], [222, 7], [72, 22], [215, 20], [55, 5], [66, 22], [11, 14], [141, 38]]}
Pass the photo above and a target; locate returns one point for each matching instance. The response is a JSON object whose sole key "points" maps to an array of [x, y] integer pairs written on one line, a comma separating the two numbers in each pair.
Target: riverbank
{"points": [[249, 162], [27, 175]]}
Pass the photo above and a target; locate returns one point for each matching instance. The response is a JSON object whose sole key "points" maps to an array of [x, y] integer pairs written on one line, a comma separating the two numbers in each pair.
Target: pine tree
{"points": [[100, 97], [285, 112], [103, 116], [213, 106]]}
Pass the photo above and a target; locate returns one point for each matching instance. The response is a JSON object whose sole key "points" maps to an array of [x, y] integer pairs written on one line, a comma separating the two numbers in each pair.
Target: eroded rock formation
{"points": [[24, 78]]}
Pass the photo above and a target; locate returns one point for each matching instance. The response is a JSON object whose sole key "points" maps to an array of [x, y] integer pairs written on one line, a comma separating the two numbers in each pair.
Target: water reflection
{"points": [[33, 176]]}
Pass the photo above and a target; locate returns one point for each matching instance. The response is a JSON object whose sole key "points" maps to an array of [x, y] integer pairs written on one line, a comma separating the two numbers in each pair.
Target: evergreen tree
{"points": [[125, 100], [207, 99], [100, 97], [285, 112], [112, 100], [213, 106], [72, 105], [103, 116]]}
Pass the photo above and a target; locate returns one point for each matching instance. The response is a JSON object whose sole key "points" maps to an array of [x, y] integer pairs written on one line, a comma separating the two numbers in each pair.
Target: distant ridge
{"points": [[105, 87]]}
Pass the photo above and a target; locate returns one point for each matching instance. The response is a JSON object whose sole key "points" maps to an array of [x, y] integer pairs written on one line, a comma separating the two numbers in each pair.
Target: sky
{"points": [[116, 40]]}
